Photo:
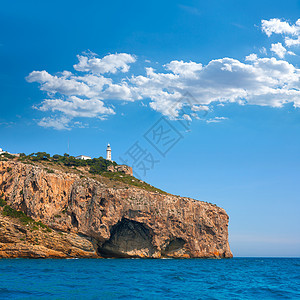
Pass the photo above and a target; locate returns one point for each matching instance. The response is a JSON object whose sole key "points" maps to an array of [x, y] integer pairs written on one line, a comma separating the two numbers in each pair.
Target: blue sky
{"points": [[88, 74]]}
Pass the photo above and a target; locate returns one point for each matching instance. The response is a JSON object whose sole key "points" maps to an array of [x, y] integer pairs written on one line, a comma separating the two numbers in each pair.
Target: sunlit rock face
{"points": [[112, 221]]}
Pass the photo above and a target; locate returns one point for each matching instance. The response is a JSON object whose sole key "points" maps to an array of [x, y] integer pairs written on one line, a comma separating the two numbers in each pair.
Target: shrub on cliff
{"points": [[130, 180], [8, 211], [2, 201], [40, 156], [7, 155], [97, 165], [11, 212]]}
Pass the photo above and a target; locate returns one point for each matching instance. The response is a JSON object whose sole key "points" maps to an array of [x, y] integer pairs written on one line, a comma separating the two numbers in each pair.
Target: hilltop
{"points": [[96, 168]]}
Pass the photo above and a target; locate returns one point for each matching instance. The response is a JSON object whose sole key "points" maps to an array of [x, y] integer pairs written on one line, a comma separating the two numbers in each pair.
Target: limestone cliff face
{"points": [[120, 221], [18, 240]]}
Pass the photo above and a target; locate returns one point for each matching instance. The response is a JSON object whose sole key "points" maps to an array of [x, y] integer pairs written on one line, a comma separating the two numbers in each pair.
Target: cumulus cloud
{"points": [[108, 64], [290, 32], [58, 123], [85, 93], [199, 108], [186, 69], [278, 26], [292, 42], [82, 95], [76, 107], [251, 57], [62, 84], [278, 49], [260, 81]]}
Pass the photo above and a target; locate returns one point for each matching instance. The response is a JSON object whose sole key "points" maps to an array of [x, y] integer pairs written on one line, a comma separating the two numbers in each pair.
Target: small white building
{"points": [[83, 157], [1, 151], [108, 152]]}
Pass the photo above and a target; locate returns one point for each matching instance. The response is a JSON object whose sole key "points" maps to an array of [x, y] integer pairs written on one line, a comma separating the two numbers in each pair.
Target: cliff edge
{"points": [[47, 212]]}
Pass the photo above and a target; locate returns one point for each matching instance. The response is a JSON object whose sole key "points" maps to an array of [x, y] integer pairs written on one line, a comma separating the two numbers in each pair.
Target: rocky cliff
{"points": [[94, 217]]}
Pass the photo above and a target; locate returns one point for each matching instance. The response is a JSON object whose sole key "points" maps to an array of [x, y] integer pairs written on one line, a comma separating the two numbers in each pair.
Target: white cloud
{"points": [[278, 49], [199, 108], [186, 69], [280, 27], [216, 120], [263, 51], [257, 81], [76, 107], [88, 85], [80, 125], [59, 123], [292, 42], [60, 84], [251, 57], [261, 81], [108, 64], [291, 33], [187, 117]]}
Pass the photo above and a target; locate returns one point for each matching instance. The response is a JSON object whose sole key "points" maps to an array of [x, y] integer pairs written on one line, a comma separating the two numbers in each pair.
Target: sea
{"points": [[237, 278]]}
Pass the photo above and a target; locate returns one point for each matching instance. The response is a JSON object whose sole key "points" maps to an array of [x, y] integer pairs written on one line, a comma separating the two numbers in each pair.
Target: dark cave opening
{"points": [[128, 238]]}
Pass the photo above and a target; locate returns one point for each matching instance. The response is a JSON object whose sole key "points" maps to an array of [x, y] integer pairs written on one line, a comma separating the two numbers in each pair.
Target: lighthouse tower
{"points": [[108, 152]]}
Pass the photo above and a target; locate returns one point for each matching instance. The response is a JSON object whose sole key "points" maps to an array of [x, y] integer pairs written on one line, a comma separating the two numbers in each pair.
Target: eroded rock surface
{"points": [[19, 240], [120, 221]]}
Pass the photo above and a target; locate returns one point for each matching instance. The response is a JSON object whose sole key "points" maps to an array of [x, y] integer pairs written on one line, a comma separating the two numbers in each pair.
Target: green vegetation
{"points": [[7, 155], [23, 218], [2, 201], [96, 165], [13, 213], [130, 180], [39, 223], [39, 156], [17, 214]]}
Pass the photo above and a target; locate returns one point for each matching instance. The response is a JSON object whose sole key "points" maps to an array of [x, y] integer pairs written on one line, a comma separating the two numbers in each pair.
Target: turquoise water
{"points": [[238, 278]]}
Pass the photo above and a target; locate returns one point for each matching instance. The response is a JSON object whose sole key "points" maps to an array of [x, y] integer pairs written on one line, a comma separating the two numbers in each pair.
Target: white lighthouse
{"points": [[108, 152]]}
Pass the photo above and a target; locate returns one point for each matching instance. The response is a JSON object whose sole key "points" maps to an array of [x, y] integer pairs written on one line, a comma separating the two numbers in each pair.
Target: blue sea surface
{"points": [[237, 278]]}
